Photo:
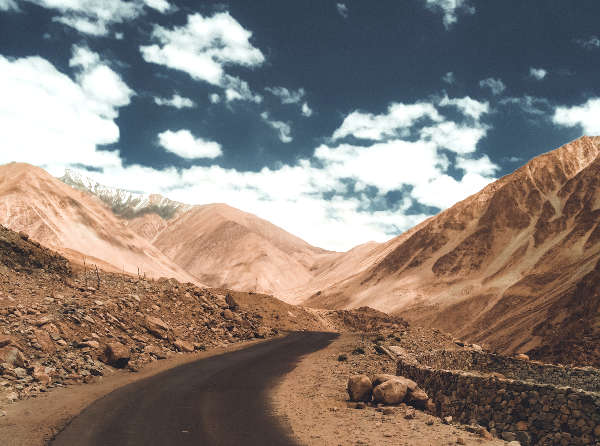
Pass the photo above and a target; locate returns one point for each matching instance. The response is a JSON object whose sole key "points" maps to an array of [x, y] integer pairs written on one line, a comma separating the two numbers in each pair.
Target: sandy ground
{"points": [[313, 401], [35, 421]]}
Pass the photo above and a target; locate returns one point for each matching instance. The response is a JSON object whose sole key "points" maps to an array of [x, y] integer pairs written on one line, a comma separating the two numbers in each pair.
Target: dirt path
{"points": [[313, 400], [34, 421]]}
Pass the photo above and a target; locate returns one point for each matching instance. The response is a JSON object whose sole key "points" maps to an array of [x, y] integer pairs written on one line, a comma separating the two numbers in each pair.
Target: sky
{"points": [[341, 122]]}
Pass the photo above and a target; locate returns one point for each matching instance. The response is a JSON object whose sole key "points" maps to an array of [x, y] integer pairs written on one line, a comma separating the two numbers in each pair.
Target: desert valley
{"points": [[498, 292]]}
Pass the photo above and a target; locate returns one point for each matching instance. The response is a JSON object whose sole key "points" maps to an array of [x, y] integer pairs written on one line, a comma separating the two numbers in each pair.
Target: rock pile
{"points": [[388, 390], [59, 327]]}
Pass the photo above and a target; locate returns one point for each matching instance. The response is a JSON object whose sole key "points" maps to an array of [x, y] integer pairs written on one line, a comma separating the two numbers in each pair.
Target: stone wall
{"points": [[532, 412], [586, 378]]}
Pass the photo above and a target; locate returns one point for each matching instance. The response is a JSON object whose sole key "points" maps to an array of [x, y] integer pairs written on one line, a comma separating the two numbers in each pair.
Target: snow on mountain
{"points": [[124, 203]]}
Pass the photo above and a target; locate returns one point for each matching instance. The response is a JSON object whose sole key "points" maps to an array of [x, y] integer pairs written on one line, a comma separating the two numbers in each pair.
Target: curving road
{"points": [[214, 401]]}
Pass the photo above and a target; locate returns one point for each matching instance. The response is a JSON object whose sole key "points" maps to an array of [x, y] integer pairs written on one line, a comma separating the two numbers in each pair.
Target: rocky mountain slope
{"points": [[76, 224], [514, 266], [61, 324]]}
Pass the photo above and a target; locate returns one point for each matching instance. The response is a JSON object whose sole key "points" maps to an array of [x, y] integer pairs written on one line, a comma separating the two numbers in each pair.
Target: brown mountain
{"points": [[76, 224], [514, 266], [225, 247]]}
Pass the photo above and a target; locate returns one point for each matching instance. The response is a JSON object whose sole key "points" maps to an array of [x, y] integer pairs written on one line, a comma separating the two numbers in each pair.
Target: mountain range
{"points": [[514, 266]]}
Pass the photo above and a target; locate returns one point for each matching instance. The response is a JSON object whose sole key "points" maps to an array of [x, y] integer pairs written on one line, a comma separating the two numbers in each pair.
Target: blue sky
{"points": [[342, 122]]}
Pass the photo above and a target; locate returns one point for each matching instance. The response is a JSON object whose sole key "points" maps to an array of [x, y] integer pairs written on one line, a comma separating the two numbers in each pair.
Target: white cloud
{"points": [[537, 73], [449, 78], [450, 9], [214, 98], [182, 143], [455, 137], [161, 6], [306, 110], [479, 166], [287, 96], [590, 43], [282, 128], [203, 48], [175, 101], [398, 119], [49, 119], [496, 86], [92, 16], [8, 5], [469, 107], [342, 9], [585, 116], [308, 198], [99, 81]]}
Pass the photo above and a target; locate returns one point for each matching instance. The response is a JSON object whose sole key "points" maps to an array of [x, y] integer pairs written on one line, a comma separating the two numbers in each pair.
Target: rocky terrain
{"points": [[62, 324]]}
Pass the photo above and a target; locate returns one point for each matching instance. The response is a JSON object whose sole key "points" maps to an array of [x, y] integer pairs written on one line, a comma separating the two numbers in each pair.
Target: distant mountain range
{"points": [[514, 266]]}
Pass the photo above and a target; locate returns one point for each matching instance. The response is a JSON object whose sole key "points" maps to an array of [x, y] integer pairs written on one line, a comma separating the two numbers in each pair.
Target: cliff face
{"points": [[497, 265]]}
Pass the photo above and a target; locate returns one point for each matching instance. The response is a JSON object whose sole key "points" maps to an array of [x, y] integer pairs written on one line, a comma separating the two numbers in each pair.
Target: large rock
{"points": [[183, 346], [417, 398], [227, 314], [12, 356], [117, 355], [45, 342], [381, 378], [392, 391], [156, 327], [229, 299], [359, 388]]}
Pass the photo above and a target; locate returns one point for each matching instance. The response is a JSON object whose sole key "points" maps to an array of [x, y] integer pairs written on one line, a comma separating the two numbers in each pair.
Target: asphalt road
{"points": [[214, 401]]}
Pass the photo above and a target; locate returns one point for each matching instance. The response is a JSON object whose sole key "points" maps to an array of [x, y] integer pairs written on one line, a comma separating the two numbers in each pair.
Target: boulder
{"points": [[156, 327], [381, 378], [262, 332], [155, 351], [117, 355], [229, 299], [12, 356], [90, 344], [227, 314], [183, 346], [522, 356], [392, 391], [359, 388], [4, 341], [418, 398], [45, 342], [41, 375]]}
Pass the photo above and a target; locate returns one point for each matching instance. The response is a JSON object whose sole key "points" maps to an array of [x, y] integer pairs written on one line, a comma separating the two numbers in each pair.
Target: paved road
{"points": [[213, 401]]}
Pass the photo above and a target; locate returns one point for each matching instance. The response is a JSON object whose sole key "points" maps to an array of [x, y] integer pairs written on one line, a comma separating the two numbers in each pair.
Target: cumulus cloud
{"points": [[176, 101], [342, 10], [8, 5], [469, 107], [306, 110], [537, 73], [50, 119], [214, 98], [92, 16], [584, 115], [161, 6], [328, 198], [203, 48], [284, 130], [99, 81], [396, 122], [450, 9], [182, 143], [496, 86]]}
